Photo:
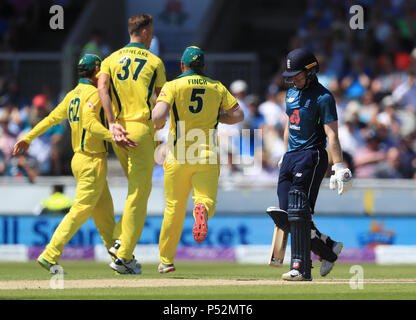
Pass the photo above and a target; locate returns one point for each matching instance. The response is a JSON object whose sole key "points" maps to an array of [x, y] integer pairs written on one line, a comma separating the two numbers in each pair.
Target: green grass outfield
{"points": [[251, 282]]}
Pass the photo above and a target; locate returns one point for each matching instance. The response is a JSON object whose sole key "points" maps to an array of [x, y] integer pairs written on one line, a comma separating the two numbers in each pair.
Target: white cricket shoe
{"points": [[123, 266], [327, 266], [113, 250], [165, 268], [294, 275]]}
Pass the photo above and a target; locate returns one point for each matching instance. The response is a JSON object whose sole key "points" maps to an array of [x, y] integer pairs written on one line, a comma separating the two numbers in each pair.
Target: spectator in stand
{"points": [[255, 121], [3, 163], [45, 148], [367, 158], [56, 203], [405, 94], [357, 78], [255, 118], [271, 109], [390, 169], [23, 166], [407, 158], [7, 139], [368, 110], [14, 166], [10, 110], [349, 132], [96, 45], [239, 89], [388, 117], [230, 135]]}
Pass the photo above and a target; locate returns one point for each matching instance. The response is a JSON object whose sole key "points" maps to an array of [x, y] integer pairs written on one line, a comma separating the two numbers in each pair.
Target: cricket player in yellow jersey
{"points": [[127, 81], [81, 107], [196, 104]]}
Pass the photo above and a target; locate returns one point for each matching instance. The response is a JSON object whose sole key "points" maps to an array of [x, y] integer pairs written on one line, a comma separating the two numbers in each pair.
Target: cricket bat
{"points": [[278, 250]]}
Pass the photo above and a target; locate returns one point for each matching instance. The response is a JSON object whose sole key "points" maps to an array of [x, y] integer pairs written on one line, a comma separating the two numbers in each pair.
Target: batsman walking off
{"points": [[312, 118], [196, 104], [127, 81]]}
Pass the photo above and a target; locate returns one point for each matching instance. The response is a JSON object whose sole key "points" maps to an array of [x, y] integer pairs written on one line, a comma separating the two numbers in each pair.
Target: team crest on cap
{"points": [[288, 63]]}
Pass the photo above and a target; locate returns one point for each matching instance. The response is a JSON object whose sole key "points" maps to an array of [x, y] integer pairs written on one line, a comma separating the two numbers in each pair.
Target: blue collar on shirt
{"points": [[85, 81], [135, 44]]}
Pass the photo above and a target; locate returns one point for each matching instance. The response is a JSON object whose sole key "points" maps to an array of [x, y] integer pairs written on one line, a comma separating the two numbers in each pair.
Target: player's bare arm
{"points": [[117, 131], [160, 113], [232, 116], [342, 178], [331, 130]]}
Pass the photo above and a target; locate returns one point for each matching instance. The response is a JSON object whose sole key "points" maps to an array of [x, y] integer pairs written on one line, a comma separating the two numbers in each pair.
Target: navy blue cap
{"points": [[299, 60]]}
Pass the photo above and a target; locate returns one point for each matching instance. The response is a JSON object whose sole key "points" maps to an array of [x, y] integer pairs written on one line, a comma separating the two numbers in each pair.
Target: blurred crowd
{"points": [[18, 115], [371, 73]]}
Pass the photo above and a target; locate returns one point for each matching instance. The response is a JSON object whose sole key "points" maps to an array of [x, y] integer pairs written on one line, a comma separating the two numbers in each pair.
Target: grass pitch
{"points": [[205, 281]]}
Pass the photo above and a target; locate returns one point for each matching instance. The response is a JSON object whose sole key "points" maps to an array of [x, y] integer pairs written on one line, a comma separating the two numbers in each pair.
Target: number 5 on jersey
{"points": [[196, 96]]}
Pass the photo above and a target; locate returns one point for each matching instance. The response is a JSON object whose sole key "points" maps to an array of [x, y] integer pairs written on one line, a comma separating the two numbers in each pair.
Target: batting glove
{"points": [[341, 179]]}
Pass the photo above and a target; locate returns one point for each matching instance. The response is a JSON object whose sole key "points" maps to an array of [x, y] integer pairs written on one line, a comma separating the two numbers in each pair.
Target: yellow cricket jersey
{"points": [[134, 73], [82, 107], [195, 102]]}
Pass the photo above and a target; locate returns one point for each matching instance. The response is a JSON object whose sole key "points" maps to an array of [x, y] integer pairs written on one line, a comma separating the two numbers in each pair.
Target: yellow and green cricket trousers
{"points": [[138, 164], [92, 198], [179, 180]]}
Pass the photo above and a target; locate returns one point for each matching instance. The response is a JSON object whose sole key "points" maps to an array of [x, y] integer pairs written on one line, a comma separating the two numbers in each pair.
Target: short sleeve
{"points": [[167, 93], [105, 66], [228, 101], [327, 108], [160, 75], [94, 101]]}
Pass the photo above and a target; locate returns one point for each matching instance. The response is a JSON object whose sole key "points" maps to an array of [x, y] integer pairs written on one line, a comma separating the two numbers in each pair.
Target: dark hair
{"points": [[196, 66], [138, 22], [58, 188], [85, 73]]}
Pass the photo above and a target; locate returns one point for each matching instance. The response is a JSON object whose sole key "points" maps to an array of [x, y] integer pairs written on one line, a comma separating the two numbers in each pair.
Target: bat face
{"points": [[278, 249]]}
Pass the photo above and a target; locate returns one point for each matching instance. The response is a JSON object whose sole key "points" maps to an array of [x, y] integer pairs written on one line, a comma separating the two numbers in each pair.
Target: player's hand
{"points": [[128, 143], [118, 132], [20, 147], [341, 179]]}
